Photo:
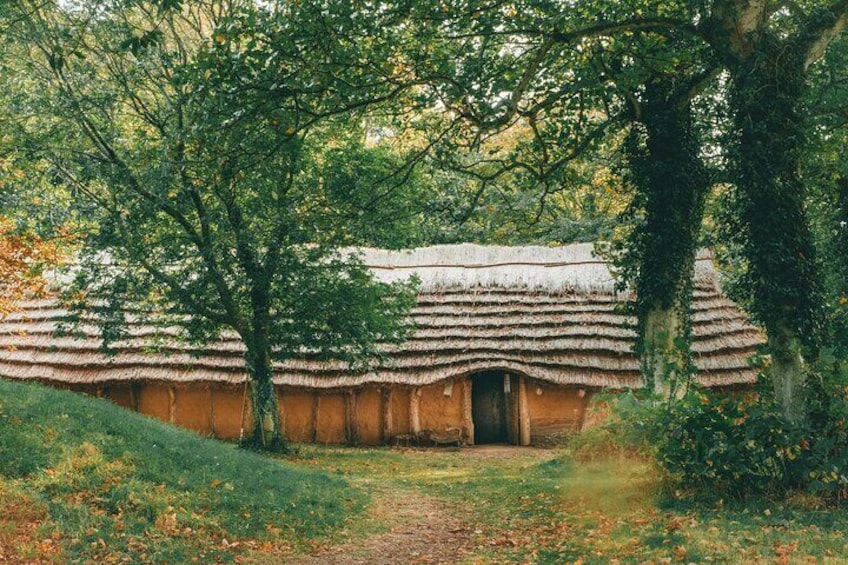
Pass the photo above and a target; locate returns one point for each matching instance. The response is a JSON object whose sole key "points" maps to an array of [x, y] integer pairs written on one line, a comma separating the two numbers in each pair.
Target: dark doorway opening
{"points": [[489, 408]]}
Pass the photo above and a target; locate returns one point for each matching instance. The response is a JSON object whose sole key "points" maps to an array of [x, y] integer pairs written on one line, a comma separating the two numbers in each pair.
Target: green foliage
{"points": [[630, 426], [729, 445], [715, 444], [826, 471], [825, 169], [771, 228], [138, 484], [371, 196], [657, 258], [204, 140]]}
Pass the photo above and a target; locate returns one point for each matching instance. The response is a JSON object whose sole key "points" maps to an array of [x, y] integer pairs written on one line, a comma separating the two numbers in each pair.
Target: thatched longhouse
{"points": [[510, 344]]}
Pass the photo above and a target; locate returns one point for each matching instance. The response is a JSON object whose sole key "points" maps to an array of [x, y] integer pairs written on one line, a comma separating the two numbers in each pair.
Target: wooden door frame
{"points": [[523, 412], [520, 399]]}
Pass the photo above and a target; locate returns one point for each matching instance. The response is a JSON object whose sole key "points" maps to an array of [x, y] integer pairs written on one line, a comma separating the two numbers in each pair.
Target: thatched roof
{"points": [[549, 313], [571, 268]]}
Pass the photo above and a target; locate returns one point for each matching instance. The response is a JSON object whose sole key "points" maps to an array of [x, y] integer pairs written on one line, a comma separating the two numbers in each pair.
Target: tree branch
{"points": [[822, 27]]}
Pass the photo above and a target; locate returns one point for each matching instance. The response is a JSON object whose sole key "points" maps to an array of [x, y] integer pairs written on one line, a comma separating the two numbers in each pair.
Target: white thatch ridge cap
{"points": [[467, 265]]}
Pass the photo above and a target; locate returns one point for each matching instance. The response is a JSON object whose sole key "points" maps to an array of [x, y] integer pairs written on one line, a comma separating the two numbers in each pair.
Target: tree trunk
{"points": [[671, 184], [787, 372], [769, 81], [267, 434], [663, 363], [778, 244]]}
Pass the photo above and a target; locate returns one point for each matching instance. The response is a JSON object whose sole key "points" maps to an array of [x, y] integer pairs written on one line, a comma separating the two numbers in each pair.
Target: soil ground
{"points": [[424, 529]]}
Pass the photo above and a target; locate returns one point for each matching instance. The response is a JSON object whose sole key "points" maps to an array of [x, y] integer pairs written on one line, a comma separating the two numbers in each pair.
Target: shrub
{"points": [[826, 469], [730, 445], [739, 445], [726, 444], [630, 426]]}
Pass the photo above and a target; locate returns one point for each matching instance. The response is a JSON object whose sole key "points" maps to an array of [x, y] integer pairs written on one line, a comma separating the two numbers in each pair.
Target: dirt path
{"points": [[422, 530]]}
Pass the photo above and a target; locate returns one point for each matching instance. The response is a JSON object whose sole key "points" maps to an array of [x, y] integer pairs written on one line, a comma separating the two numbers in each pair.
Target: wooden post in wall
{"points": [[584, 402], [523, 413], [281, 409], [385, 413], [512, 409], [467, 416], [135, 390], [316, 406], [172, 405], [211, 407], [351, 435], [414, 418]]}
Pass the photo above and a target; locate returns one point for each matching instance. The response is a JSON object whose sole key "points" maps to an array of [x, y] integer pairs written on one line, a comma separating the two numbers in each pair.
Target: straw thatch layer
{"points": [[469, 266], [549, 313]]}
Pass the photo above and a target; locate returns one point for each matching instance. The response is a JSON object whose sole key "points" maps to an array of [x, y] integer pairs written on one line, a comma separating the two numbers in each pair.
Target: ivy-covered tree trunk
{"points": [[662, 355], [267, 433], [767, 91], [768, 68], [838, 287], [671, 188]]}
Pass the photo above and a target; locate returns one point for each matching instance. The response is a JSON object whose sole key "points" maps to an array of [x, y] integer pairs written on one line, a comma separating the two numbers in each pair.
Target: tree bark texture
{"points": [[267, 432], [672, 184], [661, 357], [767, 92]]}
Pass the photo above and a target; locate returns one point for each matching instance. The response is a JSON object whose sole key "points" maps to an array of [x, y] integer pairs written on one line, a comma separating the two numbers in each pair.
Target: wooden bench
{"points": [[448, 436], [404, 440]]}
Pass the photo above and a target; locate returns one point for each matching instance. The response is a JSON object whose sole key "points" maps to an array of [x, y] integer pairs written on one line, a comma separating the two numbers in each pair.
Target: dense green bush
{"points": [[630, 426], [727, 444], [734, 444], [826, 463]]}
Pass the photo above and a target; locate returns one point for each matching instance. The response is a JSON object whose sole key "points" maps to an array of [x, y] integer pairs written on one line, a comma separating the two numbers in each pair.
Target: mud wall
{"points": [[154, 400], [192, 408], [330, 419], [555, 412], [368, 415], [401, 424], [296, 414], [441, 405], [229, 407]]}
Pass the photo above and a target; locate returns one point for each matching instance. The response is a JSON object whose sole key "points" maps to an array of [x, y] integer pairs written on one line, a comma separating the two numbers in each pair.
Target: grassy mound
{"points": [[104, 484]]}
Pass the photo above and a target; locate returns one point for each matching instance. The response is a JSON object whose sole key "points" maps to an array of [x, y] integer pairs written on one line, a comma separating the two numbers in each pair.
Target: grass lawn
{"points": [[535, 506], [82, 480]]}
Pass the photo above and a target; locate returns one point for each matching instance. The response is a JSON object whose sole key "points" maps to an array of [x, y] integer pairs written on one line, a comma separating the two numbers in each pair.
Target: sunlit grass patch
{"points": [[617, 486]]}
